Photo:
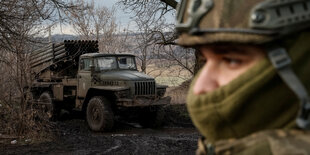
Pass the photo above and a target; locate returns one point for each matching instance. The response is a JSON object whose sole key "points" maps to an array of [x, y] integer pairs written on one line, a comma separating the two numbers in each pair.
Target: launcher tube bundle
{"points": [[59, 57]]}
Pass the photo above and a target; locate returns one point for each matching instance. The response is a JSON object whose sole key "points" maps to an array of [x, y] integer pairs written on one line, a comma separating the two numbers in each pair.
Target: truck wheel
{"points": [[48, 106], [99, 114], [152, 117]]}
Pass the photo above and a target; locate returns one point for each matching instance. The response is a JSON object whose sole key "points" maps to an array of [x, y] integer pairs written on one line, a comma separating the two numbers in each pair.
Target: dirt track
{"points": [[74, 137]]}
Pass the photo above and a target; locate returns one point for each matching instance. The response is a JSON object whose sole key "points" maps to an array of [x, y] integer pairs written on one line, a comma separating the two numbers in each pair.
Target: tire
{"points": [[47, 106], [99, 114], [152, 117]]}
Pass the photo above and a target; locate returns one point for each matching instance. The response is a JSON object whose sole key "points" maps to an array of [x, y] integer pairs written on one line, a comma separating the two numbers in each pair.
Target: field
{"points": [[168, 74]]}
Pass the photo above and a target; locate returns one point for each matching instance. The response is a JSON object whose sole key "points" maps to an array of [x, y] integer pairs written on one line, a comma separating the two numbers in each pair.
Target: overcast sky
{"points": [[122, 18]]}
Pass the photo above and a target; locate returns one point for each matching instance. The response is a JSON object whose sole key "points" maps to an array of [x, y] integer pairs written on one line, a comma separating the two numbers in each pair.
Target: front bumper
{"points": [[143, 102]]}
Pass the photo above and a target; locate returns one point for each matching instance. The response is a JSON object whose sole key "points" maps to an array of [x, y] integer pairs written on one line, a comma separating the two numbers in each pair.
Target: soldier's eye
{"points": [[232, 62]]}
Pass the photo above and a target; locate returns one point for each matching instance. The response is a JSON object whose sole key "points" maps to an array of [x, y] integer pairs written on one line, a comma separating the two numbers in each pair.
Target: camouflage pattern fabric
{"points": [[231, 14], [272, 142]]}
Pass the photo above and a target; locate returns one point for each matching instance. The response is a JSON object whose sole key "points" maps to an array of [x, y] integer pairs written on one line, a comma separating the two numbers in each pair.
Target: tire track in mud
{"points": [[118, 145]]}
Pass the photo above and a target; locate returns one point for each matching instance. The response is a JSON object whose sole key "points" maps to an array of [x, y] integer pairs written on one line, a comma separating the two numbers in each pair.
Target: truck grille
{"points": [[145, 88]]}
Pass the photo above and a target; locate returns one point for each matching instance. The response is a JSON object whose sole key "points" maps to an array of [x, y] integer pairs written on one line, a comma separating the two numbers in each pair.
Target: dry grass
{"points": [[171, 76], [24, 122], [178, 94]]}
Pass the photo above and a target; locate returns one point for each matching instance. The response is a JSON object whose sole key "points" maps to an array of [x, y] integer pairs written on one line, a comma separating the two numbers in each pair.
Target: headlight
{"points": [[122, 93]]}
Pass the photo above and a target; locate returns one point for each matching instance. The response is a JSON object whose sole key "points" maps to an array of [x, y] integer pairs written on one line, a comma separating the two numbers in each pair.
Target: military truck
{"points": [[73, 75]]}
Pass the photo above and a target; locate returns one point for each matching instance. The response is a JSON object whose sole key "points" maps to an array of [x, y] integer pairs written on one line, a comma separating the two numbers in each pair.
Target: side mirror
{"points": [[92, 70]]}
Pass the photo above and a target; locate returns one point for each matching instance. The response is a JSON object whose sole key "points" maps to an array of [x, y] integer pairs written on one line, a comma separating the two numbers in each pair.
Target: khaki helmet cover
{"points": [[251, 22], [240, 21]]}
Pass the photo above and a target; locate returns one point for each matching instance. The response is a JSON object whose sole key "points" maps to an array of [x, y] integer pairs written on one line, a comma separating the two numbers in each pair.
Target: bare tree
{"points": [[181, 57], [152, 9], [96, 23], [21, 22], [145, 38], [15, 12], [159, 9], [141, 6], [15, 76]]}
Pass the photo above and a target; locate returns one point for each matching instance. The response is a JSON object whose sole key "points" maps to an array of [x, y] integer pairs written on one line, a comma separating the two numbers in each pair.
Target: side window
{"points": [[85, 64], [126, 63]]}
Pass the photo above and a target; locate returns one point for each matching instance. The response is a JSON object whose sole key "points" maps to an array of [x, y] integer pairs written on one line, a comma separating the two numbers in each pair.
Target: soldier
{"points": [[251, 95]]}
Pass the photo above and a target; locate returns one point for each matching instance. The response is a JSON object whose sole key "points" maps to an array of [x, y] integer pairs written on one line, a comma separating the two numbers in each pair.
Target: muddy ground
{"points": [[72, 136]]}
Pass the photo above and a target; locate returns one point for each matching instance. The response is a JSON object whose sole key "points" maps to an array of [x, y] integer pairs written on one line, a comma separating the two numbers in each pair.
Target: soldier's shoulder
{"points": [[267, 142]]}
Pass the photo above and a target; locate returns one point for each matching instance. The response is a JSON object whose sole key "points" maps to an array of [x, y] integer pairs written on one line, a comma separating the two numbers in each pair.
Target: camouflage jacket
{"points": [[273, 142]]}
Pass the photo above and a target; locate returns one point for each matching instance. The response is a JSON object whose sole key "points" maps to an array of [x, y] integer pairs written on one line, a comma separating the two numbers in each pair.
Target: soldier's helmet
{"points": [[263, 22], [240, 21]]}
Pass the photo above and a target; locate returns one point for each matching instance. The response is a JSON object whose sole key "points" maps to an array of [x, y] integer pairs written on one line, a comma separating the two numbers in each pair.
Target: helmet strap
{"points": [[282, 63]]}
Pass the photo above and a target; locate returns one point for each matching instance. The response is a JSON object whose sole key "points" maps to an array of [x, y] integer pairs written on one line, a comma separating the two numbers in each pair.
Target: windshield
{"points": [[105, 63], [126, 63], [108, 63]]}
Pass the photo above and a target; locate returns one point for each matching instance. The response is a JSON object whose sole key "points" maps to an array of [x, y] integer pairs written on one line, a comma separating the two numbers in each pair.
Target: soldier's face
{"points": [[224, 64]]}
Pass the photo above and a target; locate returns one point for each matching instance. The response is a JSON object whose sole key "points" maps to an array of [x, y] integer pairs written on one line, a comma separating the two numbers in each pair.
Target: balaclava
{"points": [[256, 100]]}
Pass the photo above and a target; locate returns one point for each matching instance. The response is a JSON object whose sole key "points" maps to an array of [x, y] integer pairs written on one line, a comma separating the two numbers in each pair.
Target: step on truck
{"points": [[73, 75]]}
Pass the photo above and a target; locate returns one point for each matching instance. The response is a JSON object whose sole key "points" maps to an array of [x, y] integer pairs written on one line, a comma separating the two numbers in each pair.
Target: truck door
{"points": [[84, 77]]}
